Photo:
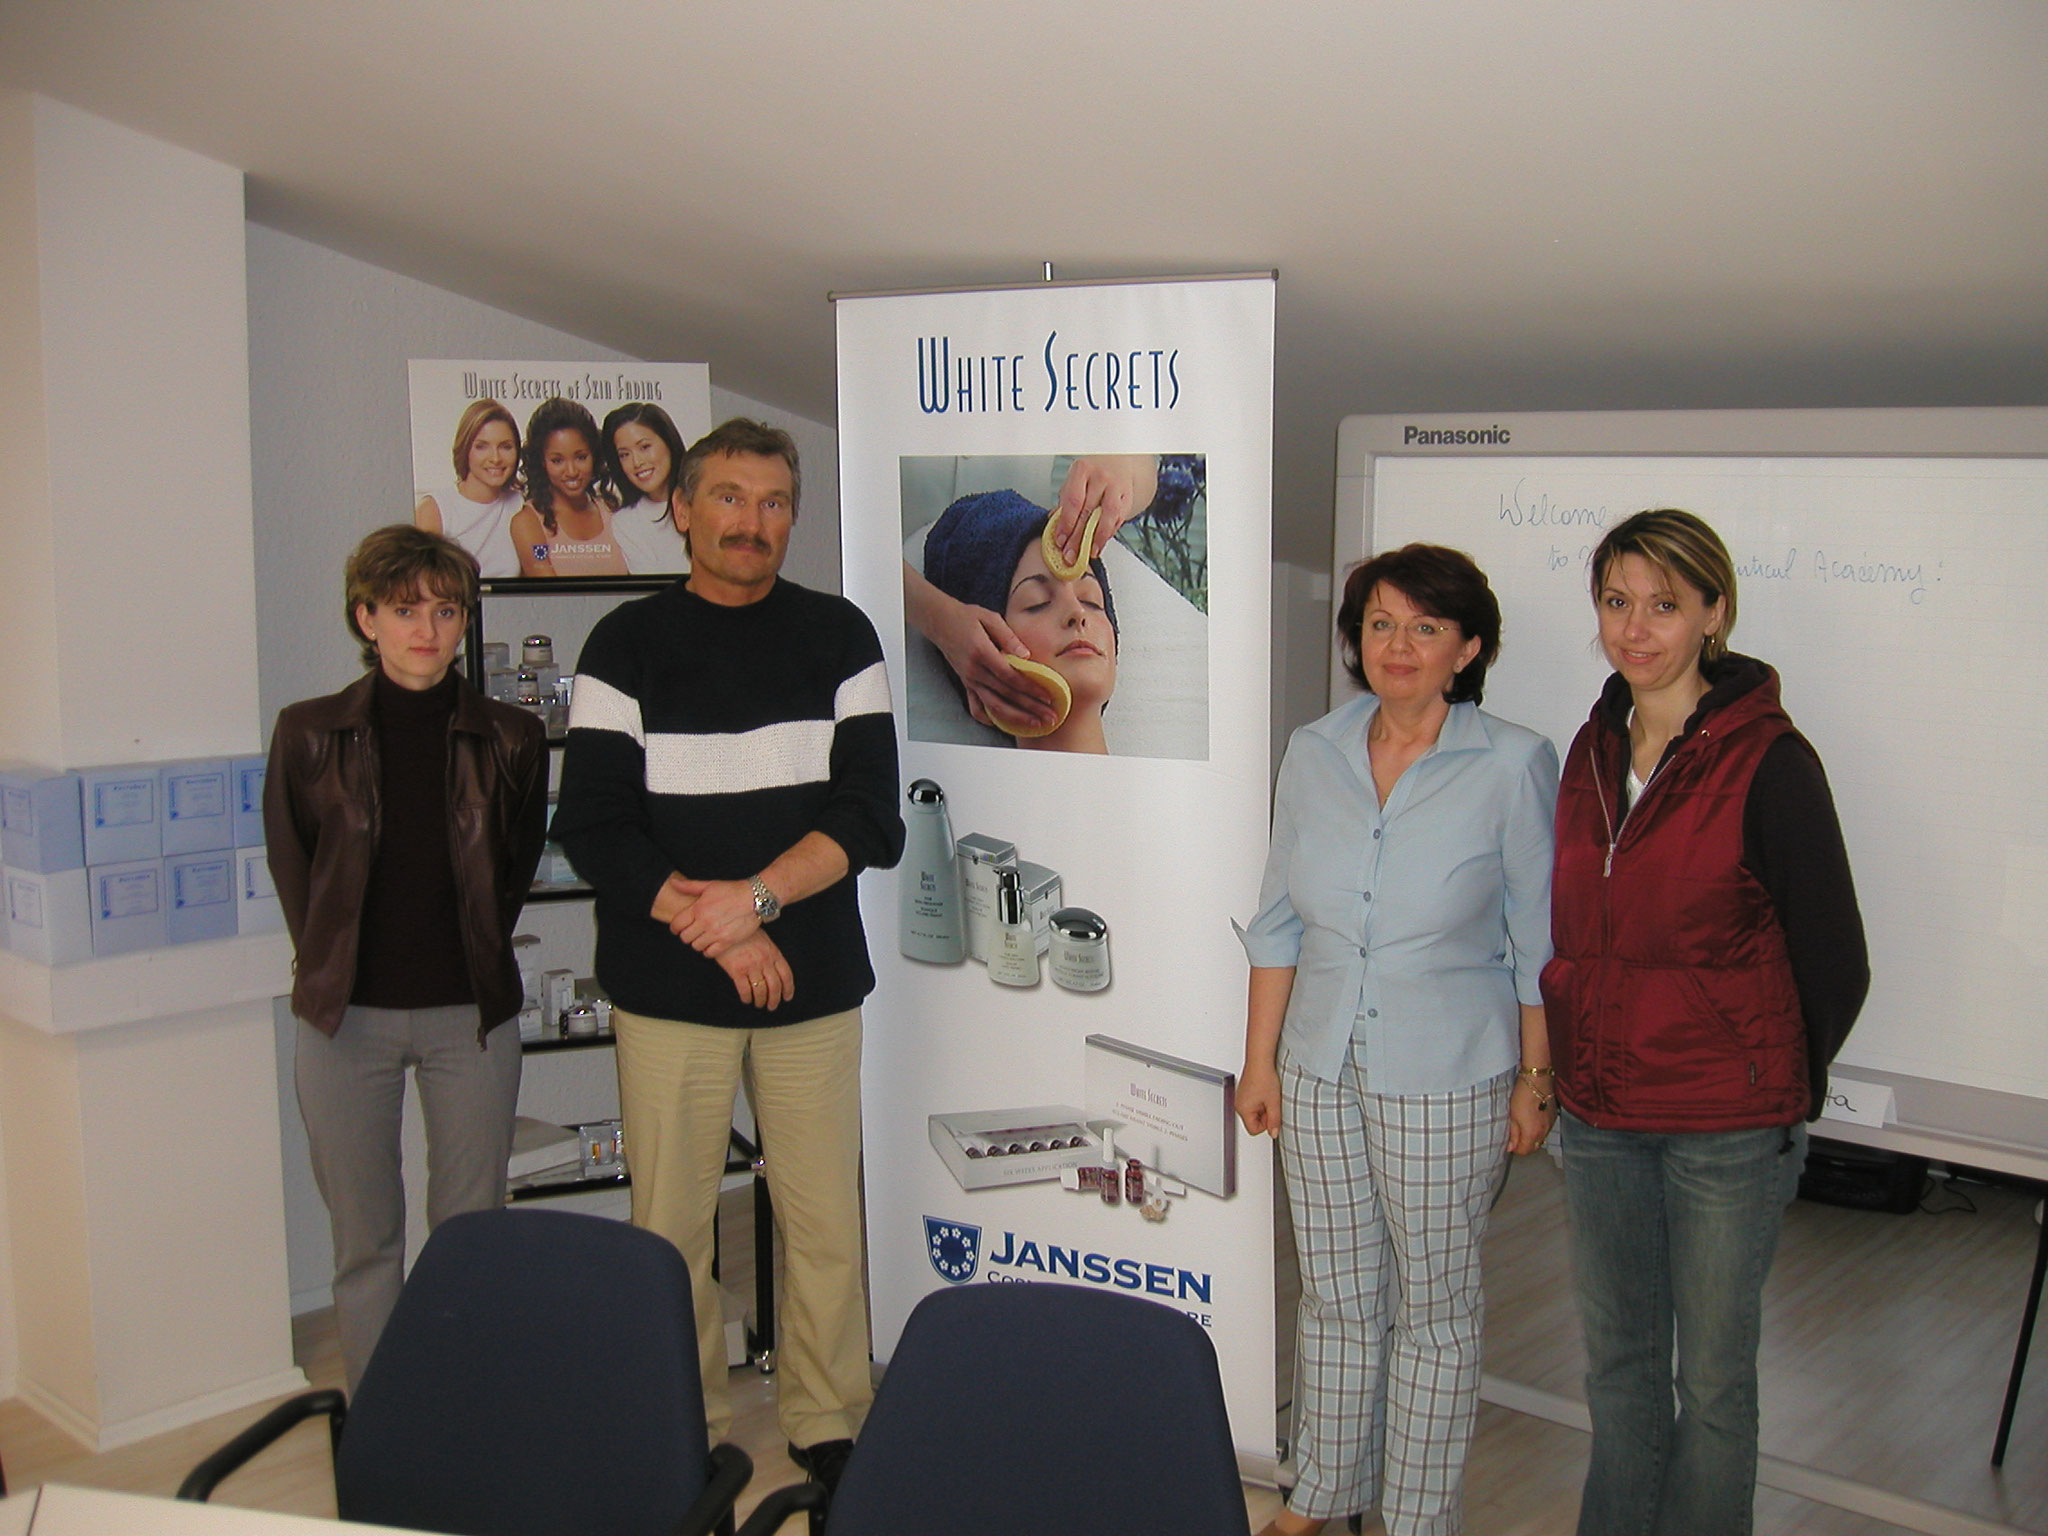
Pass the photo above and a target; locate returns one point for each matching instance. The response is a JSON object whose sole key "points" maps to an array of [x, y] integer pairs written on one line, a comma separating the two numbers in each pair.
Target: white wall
{"points": [[129, 624], [329, 339], [146, 409], [1302, 641]]}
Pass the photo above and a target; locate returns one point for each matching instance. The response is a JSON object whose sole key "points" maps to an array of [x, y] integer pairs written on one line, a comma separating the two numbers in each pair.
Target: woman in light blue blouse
{"points": [[1394, 1039]]}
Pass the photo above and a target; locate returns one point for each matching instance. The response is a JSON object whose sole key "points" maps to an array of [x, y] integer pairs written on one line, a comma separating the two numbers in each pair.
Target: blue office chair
{"points": [[1037, 1410], [538, 1376]]}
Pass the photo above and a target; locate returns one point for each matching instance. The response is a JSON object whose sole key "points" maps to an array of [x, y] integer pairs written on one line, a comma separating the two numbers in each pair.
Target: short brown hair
{"points": [[1680, 545], [481, 414], [399, 564], [1444, 583], [741, 435]]}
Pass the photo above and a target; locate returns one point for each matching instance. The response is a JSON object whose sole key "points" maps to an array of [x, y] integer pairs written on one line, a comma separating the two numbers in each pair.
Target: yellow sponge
{"points": [[1056, 686], [1057, 562]]}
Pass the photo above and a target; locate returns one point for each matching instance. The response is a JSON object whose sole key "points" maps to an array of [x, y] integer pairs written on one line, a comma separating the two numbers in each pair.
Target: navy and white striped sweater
{"points": [[708, 740]]}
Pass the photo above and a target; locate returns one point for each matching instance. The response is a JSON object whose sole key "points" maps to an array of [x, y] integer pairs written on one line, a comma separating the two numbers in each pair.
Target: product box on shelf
{"points": [[603, 1148], [41, 826], [199, 808], [245, 790], [256, 908], [200, 896], [46, 916], [123, 813], [127, 906]]}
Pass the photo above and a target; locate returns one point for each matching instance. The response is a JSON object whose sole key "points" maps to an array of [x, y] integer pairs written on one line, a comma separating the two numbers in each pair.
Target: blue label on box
{"points": [[24, 903], [205, 884], [124, 802], [133, 894], [18, 812], [192, 795], [256, 882]]}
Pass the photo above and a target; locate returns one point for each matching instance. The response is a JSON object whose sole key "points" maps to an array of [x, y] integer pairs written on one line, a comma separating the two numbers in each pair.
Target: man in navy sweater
{"points": [[731, 766]]}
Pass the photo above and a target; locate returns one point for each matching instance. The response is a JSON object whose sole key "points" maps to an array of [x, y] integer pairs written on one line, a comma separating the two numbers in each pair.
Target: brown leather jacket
{"points": [[320, 819]]}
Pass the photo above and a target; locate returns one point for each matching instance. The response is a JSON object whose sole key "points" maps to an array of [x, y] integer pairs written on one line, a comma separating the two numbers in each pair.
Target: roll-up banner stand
{"points": [[1053, 1043]]}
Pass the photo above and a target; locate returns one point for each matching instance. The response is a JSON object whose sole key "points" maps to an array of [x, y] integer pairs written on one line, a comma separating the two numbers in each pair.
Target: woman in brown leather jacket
{"points": [[404, 817]]}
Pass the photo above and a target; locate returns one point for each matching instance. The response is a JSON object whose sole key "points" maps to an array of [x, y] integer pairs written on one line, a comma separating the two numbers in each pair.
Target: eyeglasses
{"points": [[1421, 631]]}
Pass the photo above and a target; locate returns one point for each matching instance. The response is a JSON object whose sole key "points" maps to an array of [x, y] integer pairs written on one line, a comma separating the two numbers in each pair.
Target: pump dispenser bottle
{"points": [[932, 918], [1014, 959]]}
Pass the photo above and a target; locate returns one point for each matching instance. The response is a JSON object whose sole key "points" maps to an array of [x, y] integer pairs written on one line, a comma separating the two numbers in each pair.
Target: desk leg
{"points": [[2019, 1354]]}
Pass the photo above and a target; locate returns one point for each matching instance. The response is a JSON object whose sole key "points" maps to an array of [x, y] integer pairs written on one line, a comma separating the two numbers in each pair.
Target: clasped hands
{"points": [[716, 918]]}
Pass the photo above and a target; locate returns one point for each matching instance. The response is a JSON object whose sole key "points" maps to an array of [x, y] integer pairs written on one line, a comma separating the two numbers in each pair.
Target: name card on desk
{"points": [[1859, 1103]]}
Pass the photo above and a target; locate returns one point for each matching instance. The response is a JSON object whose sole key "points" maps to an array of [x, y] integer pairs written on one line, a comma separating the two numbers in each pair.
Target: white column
{"points": [[145, 1279]]}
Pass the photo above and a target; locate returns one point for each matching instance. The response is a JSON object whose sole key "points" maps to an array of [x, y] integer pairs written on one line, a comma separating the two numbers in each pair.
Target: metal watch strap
{"points": [[766, 907]]}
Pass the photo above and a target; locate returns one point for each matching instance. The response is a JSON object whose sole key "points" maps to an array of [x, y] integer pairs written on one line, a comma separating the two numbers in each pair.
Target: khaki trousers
{"points": [[676, 1086]]}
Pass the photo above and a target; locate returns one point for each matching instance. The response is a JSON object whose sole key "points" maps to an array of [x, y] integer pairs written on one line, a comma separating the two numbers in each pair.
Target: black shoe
{"points": [[825, 1461]]}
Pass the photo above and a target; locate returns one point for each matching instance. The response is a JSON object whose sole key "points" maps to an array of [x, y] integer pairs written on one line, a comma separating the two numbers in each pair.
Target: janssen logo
{"points": [[958, 1252]]}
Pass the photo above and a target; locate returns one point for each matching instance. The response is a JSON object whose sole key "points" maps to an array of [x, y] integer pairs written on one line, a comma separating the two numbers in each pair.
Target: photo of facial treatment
{"points": [[1057, 602]]}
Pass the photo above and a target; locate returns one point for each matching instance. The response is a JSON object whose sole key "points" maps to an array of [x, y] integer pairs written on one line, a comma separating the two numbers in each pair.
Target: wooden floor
{"points": [[1887, 1343]]}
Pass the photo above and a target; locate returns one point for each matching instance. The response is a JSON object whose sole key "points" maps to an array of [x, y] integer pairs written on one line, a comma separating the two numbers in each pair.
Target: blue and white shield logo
{"points": [[954, 1247]]}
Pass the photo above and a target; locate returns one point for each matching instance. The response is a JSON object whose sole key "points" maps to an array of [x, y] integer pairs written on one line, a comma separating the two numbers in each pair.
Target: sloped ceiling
{"points": [[1472, 204]]}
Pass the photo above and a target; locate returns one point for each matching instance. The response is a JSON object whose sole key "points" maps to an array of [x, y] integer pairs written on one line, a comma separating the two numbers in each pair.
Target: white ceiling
{"points": [[1472, 204]]}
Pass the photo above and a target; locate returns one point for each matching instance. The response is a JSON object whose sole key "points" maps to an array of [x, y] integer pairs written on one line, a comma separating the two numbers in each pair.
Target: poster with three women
{"points": [[1056, 509], [549, 469]]}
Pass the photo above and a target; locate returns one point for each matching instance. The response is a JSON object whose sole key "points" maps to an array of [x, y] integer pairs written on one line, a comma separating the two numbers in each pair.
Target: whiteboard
{"points": [[1901, 599]]}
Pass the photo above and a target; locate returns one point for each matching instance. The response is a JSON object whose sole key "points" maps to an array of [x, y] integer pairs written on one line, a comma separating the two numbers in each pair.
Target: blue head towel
{"points": [[971, 552]]}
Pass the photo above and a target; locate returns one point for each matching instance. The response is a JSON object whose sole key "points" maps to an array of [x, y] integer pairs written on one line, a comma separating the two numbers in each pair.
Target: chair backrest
{"points": [[538, 1376], [1042, 1410]]}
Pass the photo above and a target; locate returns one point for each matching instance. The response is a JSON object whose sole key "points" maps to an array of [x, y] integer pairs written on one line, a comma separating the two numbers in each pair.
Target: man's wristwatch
{"points": [[766, 907]]}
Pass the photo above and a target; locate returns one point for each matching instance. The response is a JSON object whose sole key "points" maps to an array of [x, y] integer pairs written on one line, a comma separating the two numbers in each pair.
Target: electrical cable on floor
{"points": [[1942, 1197]]}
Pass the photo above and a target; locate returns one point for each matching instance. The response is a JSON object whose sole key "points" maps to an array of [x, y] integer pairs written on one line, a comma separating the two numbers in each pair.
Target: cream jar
{"points": [[1079, 950]]}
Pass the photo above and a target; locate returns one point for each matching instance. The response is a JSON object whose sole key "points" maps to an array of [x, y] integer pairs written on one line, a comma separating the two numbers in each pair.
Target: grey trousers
{"points": [[352, 1095]]}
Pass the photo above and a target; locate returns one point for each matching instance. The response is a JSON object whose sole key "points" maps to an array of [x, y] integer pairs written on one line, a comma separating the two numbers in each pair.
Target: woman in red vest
{"points": [[1708, 963]]}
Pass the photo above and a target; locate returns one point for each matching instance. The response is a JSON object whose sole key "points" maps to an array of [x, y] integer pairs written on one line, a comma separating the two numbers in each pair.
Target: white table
{"points": [[56, 1509]]}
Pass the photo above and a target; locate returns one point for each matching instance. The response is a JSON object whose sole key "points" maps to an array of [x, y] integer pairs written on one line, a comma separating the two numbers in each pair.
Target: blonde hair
{"points": [[1681, 546], [480, 414]]}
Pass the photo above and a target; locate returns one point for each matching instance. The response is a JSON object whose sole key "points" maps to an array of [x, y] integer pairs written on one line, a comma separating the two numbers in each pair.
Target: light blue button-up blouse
{"points": [[1419, 926]]}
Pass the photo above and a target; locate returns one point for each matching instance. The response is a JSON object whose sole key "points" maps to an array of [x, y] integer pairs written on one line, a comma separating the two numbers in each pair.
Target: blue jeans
{"points": [[1674, 1234]]}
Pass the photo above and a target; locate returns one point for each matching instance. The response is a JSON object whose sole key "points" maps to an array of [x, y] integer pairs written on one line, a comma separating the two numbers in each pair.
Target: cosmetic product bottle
{"points": [[931, 911], [980, 857], [1014, 959], [1079, 958], [537, 655], [526, 955], [1041, 899]]}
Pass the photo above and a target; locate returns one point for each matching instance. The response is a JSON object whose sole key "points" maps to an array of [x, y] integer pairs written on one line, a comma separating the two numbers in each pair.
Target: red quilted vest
{"points": [[1670, 999]]}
